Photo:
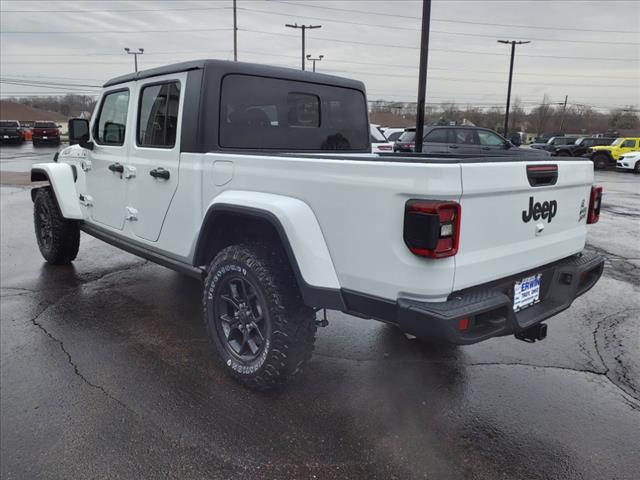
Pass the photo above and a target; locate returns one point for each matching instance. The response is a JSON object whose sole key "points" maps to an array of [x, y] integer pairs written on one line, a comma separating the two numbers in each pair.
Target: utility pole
{"points": [[422, 74], [314, 60], [135, 55], [235, 33], [564, 109], [513, 53], [303, 27]]}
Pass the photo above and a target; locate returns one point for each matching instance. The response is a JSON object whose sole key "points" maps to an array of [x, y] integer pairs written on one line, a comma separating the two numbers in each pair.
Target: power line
{"points": [[118, 11], [410, 47], [414, 29], [387, 15], [113, 32]]}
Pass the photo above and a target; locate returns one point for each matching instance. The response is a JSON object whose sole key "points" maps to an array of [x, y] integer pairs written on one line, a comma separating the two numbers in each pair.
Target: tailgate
{"points": [[509, 226]]}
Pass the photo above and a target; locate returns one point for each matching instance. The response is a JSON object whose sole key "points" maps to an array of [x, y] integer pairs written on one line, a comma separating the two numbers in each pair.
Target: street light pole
{"points": [[513, 53], [304, 28], [314, 60], [422, 75], [235, 33], [135, 55]]}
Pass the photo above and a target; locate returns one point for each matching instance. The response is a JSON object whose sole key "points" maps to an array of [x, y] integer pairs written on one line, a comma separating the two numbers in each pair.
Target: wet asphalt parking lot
{"points": [[106, 372]]}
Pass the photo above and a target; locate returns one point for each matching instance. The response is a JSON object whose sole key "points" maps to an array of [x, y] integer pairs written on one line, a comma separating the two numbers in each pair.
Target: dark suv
{"points": [[45, 132], [580, 147], [553, 143], [11, 131], [459, 140]]}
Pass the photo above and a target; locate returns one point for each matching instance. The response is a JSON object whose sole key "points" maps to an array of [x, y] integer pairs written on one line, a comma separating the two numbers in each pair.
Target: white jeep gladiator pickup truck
{"points": [[260, 181]]}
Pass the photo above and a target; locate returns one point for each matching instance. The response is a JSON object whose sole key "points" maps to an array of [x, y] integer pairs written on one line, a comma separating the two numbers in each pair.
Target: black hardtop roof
{"points": [[223, 67]]}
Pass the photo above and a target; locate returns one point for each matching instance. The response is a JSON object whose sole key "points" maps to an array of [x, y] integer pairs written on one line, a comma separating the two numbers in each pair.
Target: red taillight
{"points": [[594, 205], [432, 228]]}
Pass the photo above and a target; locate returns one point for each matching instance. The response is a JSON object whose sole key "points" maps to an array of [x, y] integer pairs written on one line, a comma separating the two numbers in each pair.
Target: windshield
{"points": [[45, 125], [407, 136], [376, 135], [617, 142]]}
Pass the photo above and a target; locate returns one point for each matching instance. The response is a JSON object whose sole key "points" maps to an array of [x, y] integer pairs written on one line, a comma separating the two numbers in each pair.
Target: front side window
{"points": [[112, 119], [465, 137], [629, 144], [489, 139], [158, 115], [268, 113]]}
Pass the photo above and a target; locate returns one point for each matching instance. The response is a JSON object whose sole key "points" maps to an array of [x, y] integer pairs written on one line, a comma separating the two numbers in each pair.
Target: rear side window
{"points": [[112, 120], [158, 115], [268, 113], [439, 135]]}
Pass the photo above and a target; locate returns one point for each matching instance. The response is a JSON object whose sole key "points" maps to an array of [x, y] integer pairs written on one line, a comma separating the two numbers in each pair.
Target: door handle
{"points": [[116, 167], [486, 148], [453, 146], [160, 173]]}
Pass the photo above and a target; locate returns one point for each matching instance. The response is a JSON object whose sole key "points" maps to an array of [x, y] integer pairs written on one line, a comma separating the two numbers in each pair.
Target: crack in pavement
{"points": [[624, 375], [70, 361], [624, 270], [635, 406]]}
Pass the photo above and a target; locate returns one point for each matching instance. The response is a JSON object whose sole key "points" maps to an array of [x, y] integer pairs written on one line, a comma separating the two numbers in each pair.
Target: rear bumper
{"points": [[11, 137], [41, 139], [489, 308]]}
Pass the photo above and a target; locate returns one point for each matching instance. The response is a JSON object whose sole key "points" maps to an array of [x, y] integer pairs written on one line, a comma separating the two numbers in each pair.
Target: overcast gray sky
{"points": [[589, 50]]}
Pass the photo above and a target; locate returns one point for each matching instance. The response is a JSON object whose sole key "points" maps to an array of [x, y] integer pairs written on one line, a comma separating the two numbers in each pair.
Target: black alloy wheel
{"points": [[243, 317]]}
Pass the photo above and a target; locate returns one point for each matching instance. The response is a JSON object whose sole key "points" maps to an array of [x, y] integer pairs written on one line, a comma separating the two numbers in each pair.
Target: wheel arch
{"points": [[234, 217], [61, 177]]}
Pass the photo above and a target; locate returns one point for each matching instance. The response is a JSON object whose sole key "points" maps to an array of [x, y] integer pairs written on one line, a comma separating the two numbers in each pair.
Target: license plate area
{"points": [[526, 292]]}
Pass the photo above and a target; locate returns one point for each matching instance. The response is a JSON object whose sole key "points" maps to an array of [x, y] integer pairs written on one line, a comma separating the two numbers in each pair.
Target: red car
{"points": [[45, 132]]}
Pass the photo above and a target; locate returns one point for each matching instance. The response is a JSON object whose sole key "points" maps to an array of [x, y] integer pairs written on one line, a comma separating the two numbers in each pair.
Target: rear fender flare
{"points": [[300, 235], [61, 177]]}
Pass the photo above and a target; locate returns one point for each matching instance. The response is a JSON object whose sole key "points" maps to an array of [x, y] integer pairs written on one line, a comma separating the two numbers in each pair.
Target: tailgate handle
{"points": [[541, 175]]}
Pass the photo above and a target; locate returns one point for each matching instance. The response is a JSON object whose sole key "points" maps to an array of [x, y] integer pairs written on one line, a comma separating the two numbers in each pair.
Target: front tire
{"points": [[600, 161], [255, 316], [58, 238]]}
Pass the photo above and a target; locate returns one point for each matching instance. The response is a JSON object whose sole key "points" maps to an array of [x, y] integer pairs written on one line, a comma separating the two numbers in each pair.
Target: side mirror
{"points": [[508, 145], [79, 133]]}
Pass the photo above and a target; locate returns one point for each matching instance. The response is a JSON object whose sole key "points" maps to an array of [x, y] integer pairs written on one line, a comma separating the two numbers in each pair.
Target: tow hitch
{"points": [[530, 335]]}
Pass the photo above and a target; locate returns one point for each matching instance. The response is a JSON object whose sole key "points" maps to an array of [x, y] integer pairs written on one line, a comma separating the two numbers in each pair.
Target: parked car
{"points": [[629, 161], [11, 132], [460, 250], [379, 143], [603, 156], [461, 140], [544, 138], [580, 147], [45, 132], [392, 134], [554, 142]]}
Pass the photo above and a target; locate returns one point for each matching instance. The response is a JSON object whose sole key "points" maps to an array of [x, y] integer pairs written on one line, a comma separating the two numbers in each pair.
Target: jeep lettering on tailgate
{"points": [[546, 210]]}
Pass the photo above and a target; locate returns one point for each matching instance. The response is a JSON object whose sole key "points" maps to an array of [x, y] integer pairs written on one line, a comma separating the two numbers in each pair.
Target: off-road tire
{"points": [[289, 342], [600, 161], [58, 238]]}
